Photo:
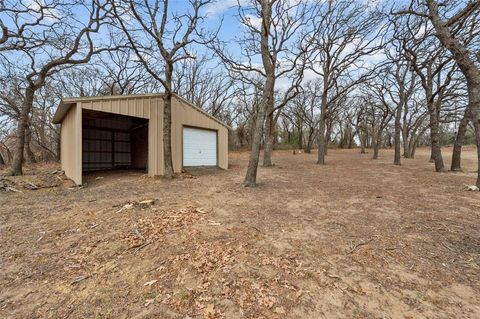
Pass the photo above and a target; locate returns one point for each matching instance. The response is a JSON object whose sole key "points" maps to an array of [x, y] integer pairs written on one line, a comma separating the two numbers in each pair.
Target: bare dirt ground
{"points": [[356, 238]]}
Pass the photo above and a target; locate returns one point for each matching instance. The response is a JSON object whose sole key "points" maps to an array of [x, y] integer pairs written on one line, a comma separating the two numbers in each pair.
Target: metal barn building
{"points": [[126, 131]]}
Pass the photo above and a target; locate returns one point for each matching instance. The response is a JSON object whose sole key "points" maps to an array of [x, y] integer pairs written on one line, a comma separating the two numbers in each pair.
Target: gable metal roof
{"points": [[66, 104]]}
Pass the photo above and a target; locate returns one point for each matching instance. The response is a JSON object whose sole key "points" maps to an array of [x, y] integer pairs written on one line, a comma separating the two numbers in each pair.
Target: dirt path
{"points": [[356, 238]]}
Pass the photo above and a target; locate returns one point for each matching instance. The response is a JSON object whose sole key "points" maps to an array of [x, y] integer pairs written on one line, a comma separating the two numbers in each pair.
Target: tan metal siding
{"points": [[185, 115], [148, 107], [129, 107], [71, 144], [155, 139]]}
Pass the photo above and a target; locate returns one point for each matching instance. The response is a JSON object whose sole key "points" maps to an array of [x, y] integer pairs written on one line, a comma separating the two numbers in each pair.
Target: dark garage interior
{"points": [[113, 141]]}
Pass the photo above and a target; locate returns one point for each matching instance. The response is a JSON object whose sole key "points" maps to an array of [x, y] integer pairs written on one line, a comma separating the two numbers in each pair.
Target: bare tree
{"points": [[447, 32], [156, 34], [277, 41], [360, 124], [380, 110], [434, 70], [465, 117], [120, 74], [399, 85], [48, 37], [305, 107], [347, 32], [414, 124], [203, 83], [457, 34]]}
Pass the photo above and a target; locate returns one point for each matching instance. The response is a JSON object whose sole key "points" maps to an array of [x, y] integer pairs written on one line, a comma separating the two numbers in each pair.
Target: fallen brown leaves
{"points": [[152, 228]]}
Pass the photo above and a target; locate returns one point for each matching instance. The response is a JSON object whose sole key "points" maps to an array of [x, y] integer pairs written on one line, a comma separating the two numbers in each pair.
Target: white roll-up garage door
{"points": [[199, 147]]}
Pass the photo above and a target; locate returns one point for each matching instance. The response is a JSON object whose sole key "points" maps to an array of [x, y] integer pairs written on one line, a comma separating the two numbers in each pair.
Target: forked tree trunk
{"points": [[22, 125], [398, 128], [459, 140], [167, 123], [251, 175], [411, 145]]}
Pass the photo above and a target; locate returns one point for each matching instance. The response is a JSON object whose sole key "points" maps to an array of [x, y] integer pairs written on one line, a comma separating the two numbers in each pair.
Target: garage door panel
{"points": [[199, 147]]}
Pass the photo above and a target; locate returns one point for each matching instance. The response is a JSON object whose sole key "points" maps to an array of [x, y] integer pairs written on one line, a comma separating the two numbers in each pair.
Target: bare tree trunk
{"points": [[351, 140], [362, 138], [268, 138], [2, 161], [459, 140], [22, 125], [321, 141], [300, 137], [376, 144], [251, 175], [308, 147], [29, 156], [167, 123], [58, 146], [328, 135], [406, 151], [321, 130], [267, 97], [477, 134], [436, 153], [413, 148], [398, 128]]}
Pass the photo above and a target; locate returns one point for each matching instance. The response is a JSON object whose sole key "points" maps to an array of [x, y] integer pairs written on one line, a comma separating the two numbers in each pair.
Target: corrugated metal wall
{"points": [[71, 144], [143, 106]]}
